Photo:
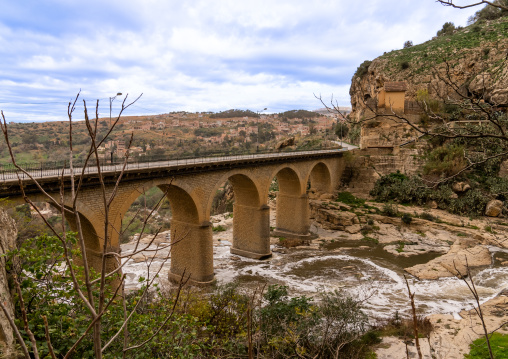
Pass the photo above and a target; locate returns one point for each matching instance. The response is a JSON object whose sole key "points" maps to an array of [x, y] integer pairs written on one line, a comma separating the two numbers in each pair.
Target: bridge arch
{"points": [[251, 215], [292, 203], [192, 249], [246, 189], [320, 177]]}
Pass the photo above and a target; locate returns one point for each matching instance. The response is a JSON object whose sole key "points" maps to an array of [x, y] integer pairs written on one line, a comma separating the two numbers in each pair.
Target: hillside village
{"points": [[179, 133]]}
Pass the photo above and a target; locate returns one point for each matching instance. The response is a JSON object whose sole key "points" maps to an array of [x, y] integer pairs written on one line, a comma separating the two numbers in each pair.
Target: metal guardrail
{"points": [[53, 169]]}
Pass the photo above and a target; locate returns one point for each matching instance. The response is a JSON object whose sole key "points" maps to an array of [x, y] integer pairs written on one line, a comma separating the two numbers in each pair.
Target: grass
{"points": [[498, 343], [218, 228], [350, 199], [421, 58]]}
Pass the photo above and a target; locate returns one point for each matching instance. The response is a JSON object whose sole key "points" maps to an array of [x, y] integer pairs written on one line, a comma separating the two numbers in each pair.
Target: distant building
{"points": [[392, 96]]}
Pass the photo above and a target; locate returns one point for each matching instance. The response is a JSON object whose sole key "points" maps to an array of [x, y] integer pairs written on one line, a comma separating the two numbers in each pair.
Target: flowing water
{"points": [[365, 271]]}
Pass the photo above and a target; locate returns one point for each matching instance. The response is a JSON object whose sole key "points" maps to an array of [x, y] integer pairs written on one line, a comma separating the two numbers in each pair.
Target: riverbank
{"points": [[364, 252]]}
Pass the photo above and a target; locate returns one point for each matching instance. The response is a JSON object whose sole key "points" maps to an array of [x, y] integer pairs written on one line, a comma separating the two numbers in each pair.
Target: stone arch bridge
{"points": [[190, 187]]}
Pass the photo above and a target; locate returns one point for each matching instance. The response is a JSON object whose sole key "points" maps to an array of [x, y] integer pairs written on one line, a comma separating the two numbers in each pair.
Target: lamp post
{"points": [[111, 99], [257, 137]]}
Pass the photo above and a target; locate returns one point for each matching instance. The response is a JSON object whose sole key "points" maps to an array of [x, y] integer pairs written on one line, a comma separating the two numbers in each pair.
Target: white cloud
{"points": [[199, 55]]}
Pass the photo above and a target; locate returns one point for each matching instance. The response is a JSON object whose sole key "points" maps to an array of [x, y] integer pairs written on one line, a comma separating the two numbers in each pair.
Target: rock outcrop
{"points": [[494, 208], [8, 234], [477, 61], [454, 262], [285, 143]]}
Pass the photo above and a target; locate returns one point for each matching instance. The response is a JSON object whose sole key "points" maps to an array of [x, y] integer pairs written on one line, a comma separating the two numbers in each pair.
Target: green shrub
{"points": [[445, 161], [218, 228], [498, 343], [362, 69], [406, 218], [390, 210], [349, 198]]}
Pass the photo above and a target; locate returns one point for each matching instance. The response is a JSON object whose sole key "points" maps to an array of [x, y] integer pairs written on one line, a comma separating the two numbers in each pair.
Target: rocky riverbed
{"points": [[361, 250]]}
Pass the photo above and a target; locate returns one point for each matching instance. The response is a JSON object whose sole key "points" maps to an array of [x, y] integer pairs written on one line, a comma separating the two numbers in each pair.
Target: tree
{"points": [[448, 29], [76, 299], [408, 44], [341, 129]]}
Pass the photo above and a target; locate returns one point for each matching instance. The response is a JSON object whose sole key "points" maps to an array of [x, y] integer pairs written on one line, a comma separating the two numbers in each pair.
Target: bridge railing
{"points": [[55, 168]]}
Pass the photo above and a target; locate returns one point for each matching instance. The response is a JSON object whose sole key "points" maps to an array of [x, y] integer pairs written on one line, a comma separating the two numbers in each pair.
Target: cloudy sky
{"points": [[197, 55]]}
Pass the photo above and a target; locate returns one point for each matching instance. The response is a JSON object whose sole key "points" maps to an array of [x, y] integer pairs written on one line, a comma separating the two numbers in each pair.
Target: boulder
{"points": [[433, 204], [285, 143], [503, 169], [8, 234], [453, 263], [460, 187], [494, 208], [355, 228], [336, 220]]}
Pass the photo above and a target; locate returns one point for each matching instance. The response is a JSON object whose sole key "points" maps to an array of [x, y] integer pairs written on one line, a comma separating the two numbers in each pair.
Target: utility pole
{"points": [[111, 99]]}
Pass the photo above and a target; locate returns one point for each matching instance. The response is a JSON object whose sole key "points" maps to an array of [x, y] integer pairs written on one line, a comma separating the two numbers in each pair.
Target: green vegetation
{"points": [[449, 45], [498, 343], [208, 132], [396, 187], [134, 221], [350, 199], [445, 161], [490, 12], [234, 113], [214, 324], [218, 228], [362, 69], [301, 114], [406, 218], [448, 29]]}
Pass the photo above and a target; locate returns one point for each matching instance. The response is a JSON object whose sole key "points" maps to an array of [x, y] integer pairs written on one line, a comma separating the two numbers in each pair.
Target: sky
{"points": [[197, 55]]}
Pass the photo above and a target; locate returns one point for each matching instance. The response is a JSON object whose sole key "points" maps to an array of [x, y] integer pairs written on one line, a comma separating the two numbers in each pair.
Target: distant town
{"points": [[176, 133]]}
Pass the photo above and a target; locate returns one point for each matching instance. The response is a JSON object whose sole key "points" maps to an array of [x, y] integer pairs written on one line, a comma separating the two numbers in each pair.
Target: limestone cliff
{"points": [[476, 55]]}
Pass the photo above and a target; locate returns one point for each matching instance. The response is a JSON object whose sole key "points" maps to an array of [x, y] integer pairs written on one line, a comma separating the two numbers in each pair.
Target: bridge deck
{"points": [[9, 179]]}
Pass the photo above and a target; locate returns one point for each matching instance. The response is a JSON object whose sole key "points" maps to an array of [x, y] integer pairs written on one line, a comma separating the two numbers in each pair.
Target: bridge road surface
{"points": [[109, 169]]}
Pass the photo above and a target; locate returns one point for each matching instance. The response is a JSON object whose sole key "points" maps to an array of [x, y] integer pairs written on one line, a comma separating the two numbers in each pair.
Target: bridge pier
{"points": [[251, 231], [191, 252], [292, 216], [94, 260]]}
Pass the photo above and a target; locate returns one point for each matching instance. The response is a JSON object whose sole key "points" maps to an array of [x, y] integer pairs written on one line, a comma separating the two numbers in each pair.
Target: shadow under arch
{"points": [[92, 230], [292, 209], [192, 247], [320, 178], [251, 217]]}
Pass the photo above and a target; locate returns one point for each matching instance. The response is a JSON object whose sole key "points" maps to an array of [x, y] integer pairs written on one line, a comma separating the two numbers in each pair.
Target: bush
{"points": [[445, 161], [341, 130], [390, 210], [447, 29], [349, 198], [362, 69], [406, 218], [218, 228], [404, 65], [408, 44]]}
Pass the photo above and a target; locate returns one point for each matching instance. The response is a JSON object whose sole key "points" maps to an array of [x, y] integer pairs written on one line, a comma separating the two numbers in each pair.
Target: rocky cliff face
{"points": [[8, 234], [476, 56]]}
